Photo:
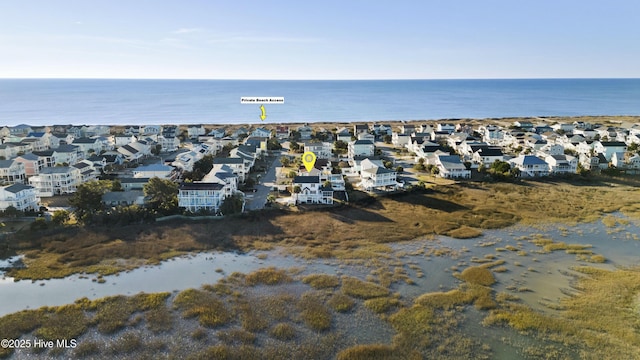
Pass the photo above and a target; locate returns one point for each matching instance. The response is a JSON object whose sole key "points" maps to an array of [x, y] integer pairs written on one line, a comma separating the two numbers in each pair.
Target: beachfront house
{"points": [[20, 196], [305, 132], [261, 133]]}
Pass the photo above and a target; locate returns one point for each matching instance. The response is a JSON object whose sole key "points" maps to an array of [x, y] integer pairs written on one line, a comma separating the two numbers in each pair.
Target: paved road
{"points": [[267, 181]]}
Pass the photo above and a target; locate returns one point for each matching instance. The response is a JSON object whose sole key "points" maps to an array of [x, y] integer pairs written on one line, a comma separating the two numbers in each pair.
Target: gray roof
{"points": [[29, 156], [201, 186], [6, 163], [66, 149], [306, 180], [363, 142], [122, 196], [16, 188], [378, 170], [228, 160], [56, 170]]}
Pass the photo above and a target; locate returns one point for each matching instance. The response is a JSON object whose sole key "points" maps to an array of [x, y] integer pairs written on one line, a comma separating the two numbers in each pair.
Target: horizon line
{"points": [[311, 79]]}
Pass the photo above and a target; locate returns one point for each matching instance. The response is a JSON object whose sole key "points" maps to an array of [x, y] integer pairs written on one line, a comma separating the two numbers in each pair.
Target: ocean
{"points": [[100, 101]]}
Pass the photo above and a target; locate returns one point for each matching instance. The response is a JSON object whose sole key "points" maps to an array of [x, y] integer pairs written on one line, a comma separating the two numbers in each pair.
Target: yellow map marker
{"points": [[263, 113], [309, 159]]}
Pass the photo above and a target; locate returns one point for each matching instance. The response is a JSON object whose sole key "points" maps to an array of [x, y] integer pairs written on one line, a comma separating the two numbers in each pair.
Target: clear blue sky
{"points": [[347, 39]]}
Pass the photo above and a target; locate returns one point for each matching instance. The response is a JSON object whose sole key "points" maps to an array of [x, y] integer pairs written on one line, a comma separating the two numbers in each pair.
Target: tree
{"points": [[399, 169], [87, 200], [60, 217], [340, 147], [202, 167], [297, 189], [12, 212], [501, 170], [116, 185], [155, 150], [387, 164], [273, 144], [233, 204], [294, 135], [387, 139], [292, 174], [162, 195], [294, 146], [327, 184], [285, 161]]}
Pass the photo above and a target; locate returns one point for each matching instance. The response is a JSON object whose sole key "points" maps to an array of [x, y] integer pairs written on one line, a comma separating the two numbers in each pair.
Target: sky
{"points": [[345, 39]]}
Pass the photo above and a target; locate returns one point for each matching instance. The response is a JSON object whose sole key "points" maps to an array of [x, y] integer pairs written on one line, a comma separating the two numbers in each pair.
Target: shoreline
{"points": [[506, 120]]}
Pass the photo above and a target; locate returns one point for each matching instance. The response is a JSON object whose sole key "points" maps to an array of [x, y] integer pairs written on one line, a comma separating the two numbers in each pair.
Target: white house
{"points": [[20, 196], [87, 171], [450, 167], [282, 132], [201, 196], [305, 132], [322, 149], [154, 170], [562, 164], [56, 181], [193, 131], [360, 148], [530, 166], [148, 130], [488, 156], [123, 198], [261, 133], [378, 178], [608, 148], [343, 134], [12, 172], [67, 154], [312, 191], [32, 163], [446, 127], [237, 164], [88, 146], [130, 153], [168, 143]]}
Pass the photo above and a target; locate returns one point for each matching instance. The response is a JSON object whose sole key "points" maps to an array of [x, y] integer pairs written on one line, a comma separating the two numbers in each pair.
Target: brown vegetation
{"points": [[458, 210]]}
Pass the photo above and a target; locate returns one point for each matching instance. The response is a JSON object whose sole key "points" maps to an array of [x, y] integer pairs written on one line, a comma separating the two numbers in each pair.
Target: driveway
{"points": [[267, 181]]}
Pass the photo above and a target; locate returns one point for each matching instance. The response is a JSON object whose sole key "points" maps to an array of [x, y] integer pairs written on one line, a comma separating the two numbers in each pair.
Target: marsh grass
{"points": [[345, 231], [321, 281], [341, 302], [381, 305], [236, 337], [362, 289], [368, 352], [267, 276], [283, 332], [477, 275], [602, 318], [313, 312], [210, 311]]}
